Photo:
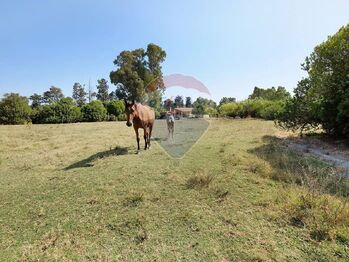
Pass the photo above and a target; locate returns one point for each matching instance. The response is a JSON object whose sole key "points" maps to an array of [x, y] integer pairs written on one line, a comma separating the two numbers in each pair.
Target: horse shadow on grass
{"points": [[88, 162], [160, 139]]}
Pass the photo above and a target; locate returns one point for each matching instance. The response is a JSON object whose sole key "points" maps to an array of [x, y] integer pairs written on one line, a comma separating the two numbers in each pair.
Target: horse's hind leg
{"points": [[149, 134]]}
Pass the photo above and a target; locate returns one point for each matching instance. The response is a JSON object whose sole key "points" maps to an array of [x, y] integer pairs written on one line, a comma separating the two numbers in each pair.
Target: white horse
{"points": [[170, 120]]}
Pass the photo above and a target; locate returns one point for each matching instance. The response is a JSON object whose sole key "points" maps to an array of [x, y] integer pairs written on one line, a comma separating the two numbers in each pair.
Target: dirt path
{"points": [[338, 159]]}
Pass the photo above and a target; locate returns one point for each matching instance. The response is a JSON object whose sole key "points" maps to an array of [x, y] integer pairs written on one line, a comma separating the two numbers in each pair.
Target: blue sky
{"points": [[231, 46]]}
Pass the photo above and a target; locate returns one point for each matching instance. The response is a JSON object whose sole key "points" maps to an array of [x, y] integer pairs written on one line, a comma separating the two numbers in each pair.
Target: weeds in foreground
{"points": [[326, 216], [199, 180], [318, 196], [134, 199]]}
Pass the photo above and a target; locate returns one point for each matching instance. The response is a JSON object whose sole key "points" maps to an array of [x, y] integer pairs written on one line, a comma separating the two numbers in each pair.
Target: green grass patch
{"points": [[80, 192]]}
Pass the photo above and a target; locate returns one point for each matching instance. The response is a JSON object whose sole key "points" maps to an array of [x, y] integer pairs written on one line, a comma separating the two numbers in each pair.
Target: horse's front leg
{"points": [[137, 135], [145, 138]]}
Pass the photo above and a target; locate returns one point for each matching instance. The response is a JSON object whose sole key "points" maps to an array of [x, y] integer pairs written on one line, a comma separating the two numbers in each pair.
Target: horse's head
{"points": [[130, 110]]}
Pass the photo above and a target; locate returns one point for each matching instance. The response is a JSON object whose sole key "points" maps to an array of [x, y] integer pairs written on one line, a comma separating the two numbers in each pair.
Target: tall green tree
{"points": [[272, 93], [188, 102], [138, 72], [103, 90], [178, 101], [154, 100], [36, 99], [204, 106], [225, 100], [14, 109], [54, 94], [322, 99], [79, 94]]}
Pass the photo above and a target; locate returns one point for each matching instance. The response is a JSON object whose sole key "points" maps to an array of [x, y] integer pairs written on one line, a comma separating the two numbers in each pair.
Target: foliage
{"points": [[94, 111], [203, 106], [178, 101], [270, 93], [322, 99], [116, 108], [79, 94], [63, 111], [36, 99], [138, 72], [154, 101], [225, 100], [231, 109], [258, 108], [54, 94], [272, 109], [188, 102], [102, 87], [14, 109]]}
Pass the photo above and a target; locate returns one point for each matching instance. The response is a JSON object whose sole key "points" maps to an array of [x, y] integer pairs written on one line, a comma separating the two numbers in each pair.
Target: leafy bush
{"points": [[272, 109], [254, 108], [14, 109], [231, 109], [63, 111], [116, 108], [94, 111]]}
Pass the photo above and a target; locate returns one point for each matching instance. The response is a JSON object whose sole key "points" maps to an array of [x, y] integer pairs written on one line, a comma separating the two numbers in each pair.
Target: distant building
{"points": [[183, 111]]}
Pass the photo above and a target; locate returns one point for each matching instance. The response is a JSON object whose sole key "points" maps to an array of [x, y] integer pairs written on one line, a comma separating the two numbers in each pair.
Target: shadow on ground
{"points": [[283, 157], [299, 166], [88, 162]]}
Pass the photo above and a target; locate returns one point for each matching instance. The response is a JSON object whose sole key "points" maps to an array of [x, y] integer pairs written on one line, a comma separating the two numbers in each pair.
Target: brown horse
{"points": [[142, 117]]}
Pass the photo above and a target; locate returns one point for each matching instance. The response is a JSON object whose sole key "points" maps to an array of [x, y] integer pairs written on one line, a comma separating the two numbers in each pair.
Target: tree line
{"points": [[319, 101]]}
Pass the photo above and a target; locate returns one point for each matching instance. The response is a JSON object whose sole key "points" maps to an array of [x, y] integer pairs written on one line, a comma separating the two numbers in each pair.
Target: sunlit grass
{"points": [[80, 192]]}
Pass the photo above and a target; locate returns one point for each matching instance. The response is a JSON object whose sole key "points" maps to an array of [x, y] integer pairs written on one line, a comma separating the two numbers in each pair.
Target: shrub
{"points": [[94, 111], [63, 111], [115, 108], [231, 109], [259, 108], [272, 109], [14, 109]]}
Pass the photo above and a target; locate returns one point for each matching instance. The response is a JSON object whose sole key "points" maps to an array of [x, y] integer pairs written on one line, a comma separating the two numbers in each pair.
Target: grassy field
{"points": [[79, 192]]}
